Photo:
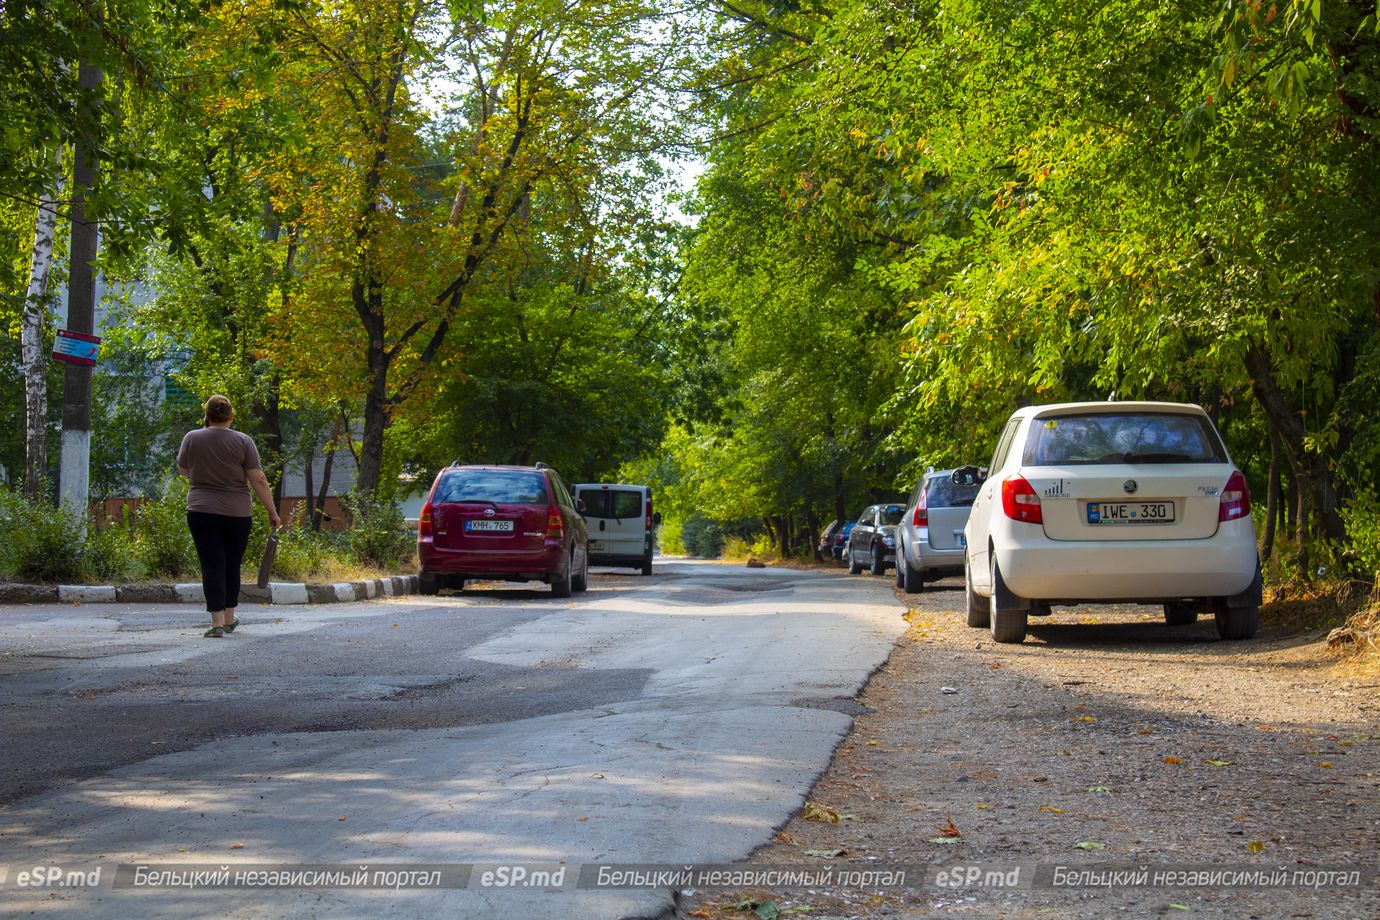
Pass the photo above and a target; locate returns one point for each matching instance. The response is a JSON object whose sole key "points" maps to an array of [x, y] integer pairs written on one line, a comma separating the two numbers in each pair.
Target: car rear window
{"points": [[1123, 437], [502, 487], [892, 514], [612, 503], [943, 492]]}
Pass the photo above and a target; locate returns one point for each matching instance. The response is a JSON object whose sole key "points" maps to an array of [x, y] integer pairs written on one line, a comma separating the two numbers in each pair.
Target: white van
{"points": [[620, 521]]}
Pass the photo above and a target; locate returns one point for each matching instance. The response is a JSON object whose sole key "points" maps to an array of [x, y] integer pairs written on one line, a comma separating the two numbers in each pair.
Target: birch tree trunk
{"points": [[31, 339]]}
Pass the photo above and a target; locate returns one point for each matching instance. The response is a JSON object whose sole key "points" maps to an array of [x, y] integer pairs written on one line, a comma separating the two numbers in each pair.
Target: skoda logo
{"points": [[489, 512], [1130, 485]]}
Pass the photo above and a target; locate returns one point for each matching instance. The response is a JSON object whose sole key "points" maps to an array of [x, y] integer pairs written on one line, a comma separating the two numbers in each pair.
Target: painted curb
{"points": [[277, 593]]}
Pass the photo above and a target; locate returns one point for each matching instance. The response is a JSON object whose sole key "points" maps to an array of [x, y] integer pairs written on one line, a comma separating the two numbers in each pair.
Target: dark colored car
{"points": [[872, 542], [514, 523], [839, 541]]}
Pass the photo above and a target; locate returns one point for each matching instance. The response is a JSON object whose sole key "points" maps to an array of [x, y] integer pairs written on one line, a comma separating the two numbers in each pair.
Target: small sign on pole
{"points": [[76, 347]]}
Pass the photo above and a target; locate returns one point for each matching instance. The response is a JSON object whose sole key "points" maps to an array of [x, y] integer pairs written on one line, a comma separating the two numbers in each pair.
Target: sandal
{"points": [[215, 632], [230, 627]]}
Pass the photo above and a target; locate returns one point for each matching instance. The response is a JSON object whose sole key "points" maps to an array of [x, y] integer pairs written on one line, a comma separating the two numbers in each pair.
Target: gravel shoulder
{"points": [[1149, 745]]}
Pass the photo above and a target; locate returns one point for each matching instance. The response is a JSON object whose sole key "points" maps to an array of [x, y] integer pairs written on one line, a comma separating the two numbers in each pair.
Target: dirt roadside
{"points": [[1107, 738]]}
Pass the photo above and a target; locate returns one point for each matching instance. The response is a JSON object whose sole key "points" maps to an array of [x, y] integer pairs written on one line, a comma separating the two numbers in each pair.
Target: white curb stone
{"points": [[344, 591], [287, 592], [189, 594]]}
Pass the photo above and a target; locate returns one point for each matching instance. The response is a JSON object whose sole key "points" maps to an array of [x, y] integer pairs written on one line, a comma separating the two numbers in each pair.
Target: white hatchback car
{"points": [[1130, 502]]}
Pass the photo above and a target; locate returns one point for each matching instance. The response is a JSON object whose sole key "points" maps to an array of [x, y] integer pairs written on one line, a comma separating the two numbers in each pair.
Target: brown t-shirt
{"points": [[218, 461]]}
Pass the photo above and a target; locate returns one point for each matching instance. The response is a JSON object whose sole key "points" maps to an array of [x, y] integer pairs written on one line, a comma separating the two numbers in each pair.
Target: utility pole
{"points": [[81, 304]]}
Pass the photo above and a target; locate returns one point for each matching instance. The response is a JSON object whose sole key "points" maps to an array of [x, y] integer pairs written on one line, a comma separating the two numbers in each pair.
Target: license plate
{"points": [[1130, 512], [959, 540], [483, 526], [596, 546]]}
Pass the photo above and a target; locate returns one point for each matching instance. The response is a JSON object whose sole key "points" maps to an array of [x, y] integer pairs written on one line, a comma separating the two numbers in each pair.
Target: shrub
{"points": [[736, 549], [43, 543], [379, 535], [163, 543], [702, 537], [111, 554]]}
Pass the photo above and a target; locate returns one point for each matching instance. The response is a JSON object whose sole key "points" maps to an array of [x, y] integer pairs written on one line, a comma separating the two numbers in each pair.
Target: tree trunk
{"points": [[1312, 476], [812, 533], [81, 314], [31, 337], [326, 474], [1267, 547], [307, 475]]}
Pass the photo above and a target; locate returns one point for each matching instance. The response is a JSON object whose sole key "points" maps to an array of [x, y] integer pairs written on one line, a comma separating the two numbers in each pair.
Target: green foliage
{"points": [[1363, 526], [112, 554], [43, 543], [702, 537], [379, 535], [164, 543]]}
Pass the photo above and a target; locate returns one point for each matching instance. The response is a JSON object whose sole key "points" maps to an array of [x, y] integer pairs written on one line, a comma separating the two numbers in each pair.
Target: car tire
{"points": [[979, 612], [562, 583], [875, 564], [1008, 626], [1180, 615], [647, 565], [428, 583], [911, 579], [581, 582], [853, 567], [1237, 622], [900, 573]]}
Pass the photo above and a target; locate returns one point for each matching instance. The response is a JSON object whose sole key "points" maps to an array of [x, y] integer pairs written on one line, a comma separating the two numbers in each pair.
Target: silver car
{"points": [[930, 535]]}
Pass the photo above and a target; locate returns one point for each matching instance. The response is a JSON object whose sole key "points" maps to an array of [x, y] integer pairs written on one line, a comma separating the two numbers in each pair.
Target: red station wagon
{"points": [[510, 523]]}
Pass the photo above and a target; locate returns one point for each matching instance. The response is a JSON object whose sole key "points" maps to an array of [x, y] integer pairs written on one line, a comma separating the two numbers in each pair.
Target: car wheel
{"points": [[854, 568], [428, 583], [877, 566], [1007, 625], [562, 582], [647, 564], [1180, 614], [912, 580], [979, 613], [581, 582], [1237, 622]]}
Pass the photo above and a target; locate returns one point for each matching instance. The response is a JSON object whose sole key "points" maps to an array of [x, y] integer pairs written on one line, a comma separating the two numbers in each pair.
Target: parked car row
{"points": [[1135, 502], [519, 523]]}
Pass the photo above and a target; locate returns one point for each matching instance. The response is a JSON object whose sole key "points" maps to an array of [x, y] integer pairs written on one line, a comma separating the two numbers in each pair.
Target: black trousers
{"points": [[220, 543]]}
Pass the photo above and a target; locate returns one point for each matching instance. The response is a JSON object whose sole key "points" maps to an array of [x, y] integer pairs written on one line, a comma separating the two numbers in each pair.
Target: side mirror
{"points": [[656, 519], [968, 475]]}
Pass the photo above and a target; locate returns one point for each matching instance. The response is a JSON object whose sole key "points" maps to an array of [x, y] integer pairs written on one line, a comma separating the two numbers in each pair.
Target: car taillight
{"points": [[649, 516], [921, 517], [1236, 499], [1020, 502], [424, 521], [555, 524]]}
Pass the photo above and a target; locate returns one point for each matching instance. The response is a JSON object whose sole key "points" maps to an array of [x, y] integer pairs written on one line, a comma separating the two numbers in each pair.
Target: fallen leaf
{"points": [[341, 818], [871, 744], [1142, 731], [1091, 845], [1179, 907], [816, 812], [995, 666], [825, 854], [1082, 719], [1255, 846], [785, 838], [1325, 765], [1172, 760], [582, 818], [982, 806], [1218, 763], [702, 913], [1057, 811], [1080, 708], [237, 846], [949, 829]]}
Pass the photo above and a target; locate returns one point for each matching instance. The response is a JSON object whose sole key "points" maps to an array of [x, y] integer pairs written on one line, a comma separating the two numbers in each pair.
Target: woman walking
{"points": [[219, 461]]}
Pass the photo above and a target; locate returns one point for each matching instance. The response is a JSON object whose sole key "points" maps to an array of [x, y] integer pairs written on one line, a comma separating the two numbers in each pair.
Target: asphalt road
{"points": [[672, 719]]}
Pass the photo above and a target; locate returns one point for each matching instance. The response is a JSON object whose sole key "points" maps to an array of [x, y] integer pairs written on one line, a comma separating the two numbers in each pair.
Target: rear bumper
{"points": [[530, 565], [921, 555], [1041, 569]]}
